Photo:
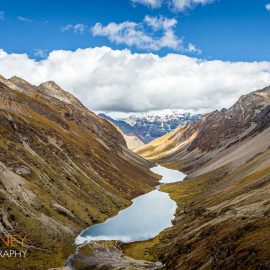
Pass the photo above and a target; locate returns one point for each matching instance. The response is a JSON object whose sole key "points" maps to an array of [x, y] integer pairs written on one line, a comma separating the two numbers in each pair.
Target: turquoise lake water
{"points": [[148, 215]]}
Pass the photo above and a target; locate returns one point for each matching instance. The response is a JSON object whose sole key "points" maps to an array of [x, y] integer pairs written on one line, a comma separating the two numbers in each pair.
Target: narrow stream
{"points": [[148, 215]]}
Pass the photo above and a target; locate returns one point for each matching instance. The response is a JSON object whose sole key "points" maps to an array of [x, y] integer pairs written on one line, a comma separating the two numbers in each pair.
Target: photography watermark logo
{"points": [[13, 246]]}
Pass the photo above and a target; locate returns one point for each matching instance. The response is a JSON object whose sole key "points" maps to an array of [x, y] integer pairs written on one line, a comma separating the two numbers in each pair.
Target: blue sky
{"points": [[234, 30]]}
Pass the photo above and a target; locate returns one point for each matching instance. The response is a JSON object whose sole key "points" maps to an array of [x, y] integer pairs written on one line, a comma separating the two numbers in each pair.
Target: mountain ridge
{"points": [[151, 126], [62, 168], [223, 212], [219, 129]]}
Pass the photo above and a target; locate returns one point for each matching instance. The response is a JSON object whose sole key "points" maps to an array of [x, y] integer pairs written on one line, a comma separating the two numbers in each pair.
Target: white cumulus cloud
{"points": [[181, 5], [267, 6], [145, 35], [118, 80], [150, 3], [192, 48], [176, 5]]}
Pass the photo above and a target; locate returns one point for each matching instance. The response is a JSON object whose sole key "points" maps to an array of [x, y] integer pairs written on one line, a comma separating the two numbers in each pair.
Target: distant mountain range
{"points": [[151, 126]]}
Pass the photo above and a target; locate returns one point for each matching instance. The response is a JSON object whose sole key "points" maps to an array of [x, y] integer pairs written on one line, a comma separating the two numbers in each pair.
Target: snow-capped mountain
{"points": [[150, 126]]}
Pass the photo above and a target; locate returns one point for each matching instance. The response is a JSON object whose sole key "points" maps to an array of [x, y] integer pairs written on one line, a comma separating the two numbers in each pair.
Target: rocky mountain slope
{"points": [[214, 133], [133, 142], [223, 214], [62, 168], [148, 127]]}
